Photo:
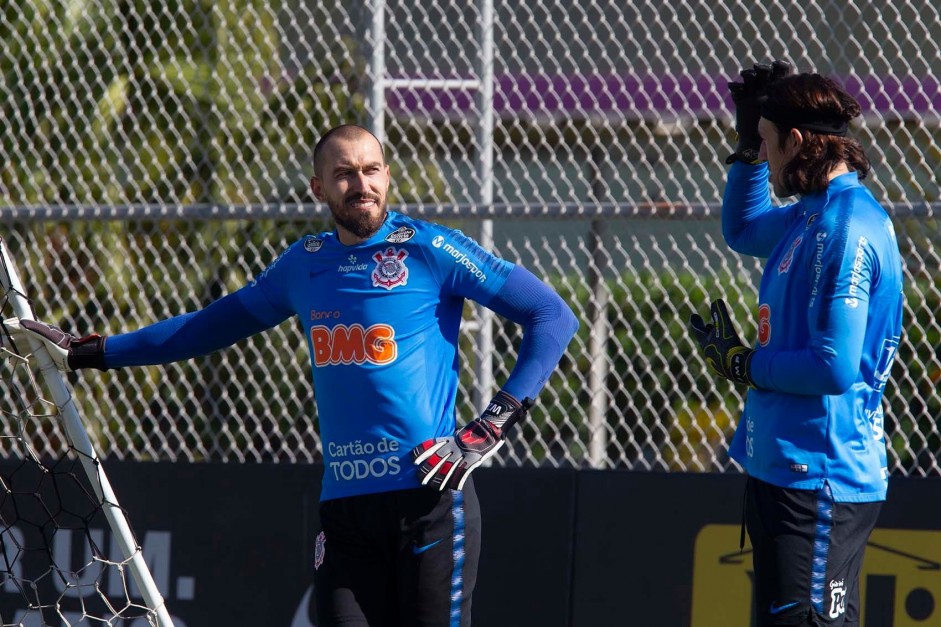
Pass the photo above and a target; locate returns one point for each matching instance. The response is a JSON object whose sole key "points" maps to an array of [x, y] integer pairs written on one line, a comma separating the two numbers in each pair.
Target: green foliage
{"points": [[172, 102]]}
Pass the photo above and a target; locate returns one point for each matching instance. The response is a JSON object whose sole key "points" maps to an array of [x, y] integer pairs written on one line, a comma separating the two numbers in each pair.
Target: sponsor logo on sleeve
{"points": [[818, 266], [460, 257], [856, 274]]}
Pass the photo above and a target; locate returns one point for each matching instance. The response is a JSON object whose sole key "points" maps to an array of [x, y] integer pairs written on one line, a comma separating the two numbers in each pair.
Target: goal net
{"points": [[67, 554]]}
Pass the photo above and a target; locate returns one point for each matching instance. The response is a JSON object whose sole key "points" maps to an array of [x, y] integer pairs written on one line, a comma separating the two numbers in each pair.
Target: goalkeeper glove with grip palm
{"points": [[67, 351], [725, 353], [448, 462], [748, 96]]}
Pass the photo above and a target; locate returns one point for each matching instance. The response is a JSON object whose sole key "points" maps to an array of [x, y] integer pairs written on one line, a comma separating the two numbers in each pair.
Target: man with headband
{"points": [[829, 317]]}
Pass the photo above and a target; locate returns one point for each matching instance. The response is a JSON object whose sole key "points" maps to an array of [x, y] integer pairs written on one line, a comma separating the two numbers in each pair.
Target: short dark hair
{"points": [[343, 131], [820, 153]]}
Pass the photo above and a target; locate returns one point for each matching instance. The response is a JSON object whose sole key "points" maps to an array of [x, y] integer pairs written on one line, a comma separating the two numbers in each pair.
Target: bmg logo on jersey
{"points": [[353, 344], [900, 583]]}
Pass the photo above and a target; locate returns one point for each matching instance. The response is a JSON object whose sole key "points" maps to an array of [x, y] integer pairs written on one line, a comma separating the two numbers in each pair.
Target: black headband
{"points": [[804, 119]]}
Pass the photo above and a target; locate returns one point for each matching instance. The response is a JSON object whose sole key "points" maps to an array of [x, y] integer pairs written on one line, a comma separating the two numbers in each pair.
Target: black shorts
{"points": [[406, 558], [808, 551]]}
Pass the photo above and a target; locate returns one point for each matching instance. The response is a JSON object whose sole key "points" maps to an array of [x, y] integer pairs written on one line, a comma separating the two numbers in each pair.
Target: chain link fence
{"points": [[155, 154]]}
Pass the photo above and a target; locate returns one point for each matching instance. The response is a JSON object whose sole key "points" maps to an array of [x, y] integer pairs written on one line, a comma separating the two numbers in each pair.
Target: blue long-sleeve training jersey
{"points": [[829, 323], [381, 319]]}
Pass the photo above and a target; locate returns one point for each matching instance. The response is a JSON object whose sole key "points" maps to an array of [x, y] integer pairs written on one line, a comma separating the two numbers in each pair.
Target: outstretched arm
{"points": [[220, 324]]}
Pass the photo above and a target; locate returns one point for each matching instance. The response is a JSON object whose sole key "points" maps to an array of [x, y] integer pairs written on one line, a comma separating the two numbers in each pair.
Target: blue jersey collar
{"points": [[836, 186]]}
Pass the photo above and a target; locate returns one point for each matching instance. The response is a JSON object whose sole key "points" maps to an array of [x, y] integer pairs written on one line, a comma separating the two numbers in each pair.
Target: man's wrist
{"points": [[745, 154], [500, 409], [88, 352]]}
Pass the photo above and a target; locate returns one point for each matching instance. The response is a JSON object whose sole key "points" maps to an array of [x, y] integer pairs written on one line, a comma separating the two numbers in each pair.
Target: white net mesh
{"points": [[56, 566], [156, 154]]}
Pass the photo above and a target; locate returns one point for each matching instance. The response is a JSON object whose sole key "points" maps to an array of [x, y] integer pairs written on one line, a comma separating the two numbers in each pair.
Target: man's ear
{"points": [[316, 187], [795, 139]]}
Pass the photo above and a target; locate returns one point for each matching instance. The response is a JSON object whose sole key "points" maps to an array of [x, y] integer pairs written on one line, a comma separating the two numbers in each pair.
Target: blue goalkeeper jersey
{"points": [[381, 320], [829, 321]]}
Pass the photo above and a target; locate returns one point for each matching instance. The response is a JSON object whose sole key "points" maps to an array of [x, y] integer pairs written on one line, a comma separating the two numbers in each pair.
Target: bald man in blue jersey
{"points": [[380, 300], [829, 317]]}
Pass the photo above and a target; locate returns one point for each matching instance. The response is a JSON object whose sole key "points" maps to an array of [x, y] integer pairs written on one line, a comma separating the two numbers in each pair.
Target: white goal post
{"points": [[12, 290]]}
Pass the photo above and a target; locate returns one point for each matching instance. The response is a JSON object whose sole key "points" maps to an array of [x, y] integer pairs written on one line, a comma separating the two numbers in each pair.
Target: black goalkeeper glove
{"points": [[448, 462], [723, 350], [748, 96], [67, 351]]}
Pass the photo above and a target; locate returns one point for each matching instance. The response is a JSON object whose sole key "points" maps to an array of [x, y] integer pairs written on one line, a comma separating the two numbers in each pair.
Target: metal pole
{"points": [[597, 348], [598, 320], [485, 381], [72, 422], [377, 71]]}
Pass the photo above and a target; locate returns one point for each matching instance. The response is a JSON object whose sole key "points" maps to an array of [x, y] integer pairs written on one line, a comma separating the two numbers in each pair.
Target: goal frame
{"points": [[61, 393]]}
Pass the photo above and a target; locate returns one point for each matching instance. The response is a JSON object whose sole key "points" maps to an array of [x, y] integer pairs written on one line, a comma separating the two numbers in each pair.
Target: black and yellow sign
{"points": [[900, 584]]}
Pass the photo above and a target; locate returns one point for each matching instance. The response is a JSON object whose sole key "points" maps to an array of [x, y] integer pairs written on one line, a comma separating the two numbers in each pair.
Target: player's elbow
{"points": [[837, 377], [737, 241], [836, 384], [568, 322]]}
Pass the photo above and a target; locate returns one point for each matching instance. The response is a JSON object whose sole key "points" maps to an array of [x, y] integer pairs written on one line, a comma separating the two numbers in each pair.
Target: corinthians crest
{"points": [[390, 269]]}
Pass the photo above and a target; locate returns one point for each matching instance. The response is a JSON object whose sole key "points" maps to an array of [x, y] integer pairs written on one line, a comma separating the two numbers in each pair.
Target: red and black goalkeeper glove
{"points": [[725, 353], [448, 462], [67, 351]]}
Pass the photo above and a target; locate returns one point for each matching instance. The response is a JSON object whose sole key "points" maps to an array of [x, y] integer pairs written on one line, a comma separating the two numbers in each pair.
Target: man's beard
{"points": [[362, 224]]}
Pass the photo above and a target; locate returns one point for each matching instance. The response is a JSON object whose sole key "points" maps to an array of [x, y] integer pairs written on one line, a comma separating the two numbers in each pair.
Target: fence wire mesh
{"points": [[155, 155]]}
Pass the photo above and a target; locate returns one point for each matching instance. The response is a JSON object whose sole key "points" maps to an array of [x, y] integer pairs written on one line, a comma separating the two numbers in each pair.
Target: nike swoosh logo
{"points": [[777, 609], [417, 550]]}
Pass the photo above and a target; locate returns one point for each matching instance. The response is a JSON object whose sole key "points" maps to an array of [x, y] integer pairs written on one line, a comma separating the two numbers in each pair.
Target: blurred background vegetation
{"points": [[195, 106]]}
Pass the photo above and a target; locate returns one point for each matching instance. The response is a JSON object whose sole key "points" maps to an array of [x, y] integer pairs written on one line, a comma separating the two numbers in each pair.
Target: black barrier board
{"points": [[232, 544], [528, 517], [634, 547]]}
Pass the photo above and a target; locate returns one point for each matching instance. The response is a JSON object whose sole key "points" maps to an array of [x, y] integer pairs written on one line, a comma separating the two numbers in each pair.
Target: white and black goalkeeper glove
{"points": [[448, 462], [67, 351]]}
